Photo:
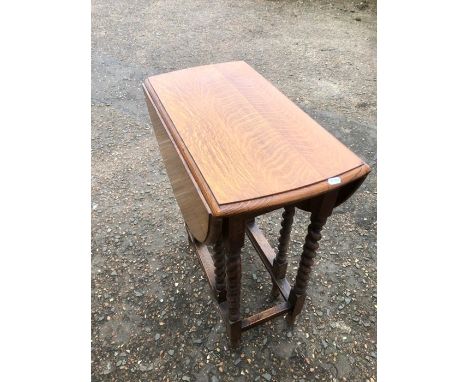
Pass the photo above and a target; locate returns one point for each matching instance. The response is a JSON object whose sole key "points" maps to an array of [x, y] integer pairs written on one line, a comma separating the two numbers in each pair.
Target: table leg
{"points": [[280, 263], [234, 235], [220, 269], [317, 220]]}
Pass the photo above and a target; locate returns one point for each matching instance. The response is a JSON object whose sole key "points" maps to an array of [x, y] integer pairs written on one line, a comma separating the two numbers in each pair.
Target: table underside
{"points": [[267, 255]]}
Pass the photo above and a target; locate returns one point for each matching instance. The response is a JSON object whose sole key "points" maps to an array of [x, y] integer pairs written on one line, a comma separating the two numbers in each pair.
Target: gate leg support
{"points": [[280, 263], [234, 235], [220, 269], [318, 219]]}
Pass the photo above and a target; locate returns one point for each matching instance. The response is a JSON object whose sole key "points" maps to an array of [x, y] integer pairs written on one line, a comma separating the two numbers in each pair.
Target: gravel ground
{"points": [[152, 316]]}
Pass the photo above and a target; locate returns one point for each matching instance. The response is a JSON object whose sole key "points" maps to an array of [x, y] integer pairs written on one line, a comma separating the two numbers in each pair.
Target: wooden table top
{"points": [[247, 145]]}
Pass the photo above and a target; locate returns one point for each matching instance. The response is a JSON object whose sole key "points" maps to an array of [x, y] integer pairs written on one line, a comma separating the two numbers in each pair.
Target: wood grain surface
{"points": [[189, 198], [248, 147]]}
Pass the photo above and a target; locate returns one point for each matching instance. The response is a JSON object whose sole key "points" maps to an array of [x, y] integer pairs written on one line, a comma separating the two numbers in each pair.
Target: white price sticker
{"points": [[335, 180]]}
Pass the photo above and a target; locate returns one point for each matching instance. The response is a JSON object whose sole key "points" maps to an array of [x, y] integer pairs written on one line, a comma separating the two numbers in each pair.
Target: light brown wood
{"points": [[195, 211], [247, 146]]}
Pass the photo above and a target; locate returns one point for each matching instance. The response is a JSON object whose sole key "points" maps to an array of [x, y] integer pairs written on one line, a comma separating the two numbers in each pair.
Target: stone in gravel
{"points": [[138, 293], [236, 362], [171, 352], [157, 336], [324, 344], [106, 371], [214, 378], [197, 341], [343, 367], [362, 5], [289, 334], [362, 105], [267, 376], [347, 300], [185, 378]]}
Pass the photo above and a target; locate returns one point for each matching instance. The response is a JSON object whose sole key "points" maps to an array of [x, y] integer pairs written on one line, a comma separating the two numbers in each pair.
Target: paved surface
{"points": [[152, 317]]}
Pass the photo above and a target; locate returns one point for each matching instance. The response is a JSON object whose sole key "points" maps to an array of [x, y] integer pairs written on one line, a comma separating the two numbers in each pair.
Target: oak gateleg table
{"points": [[234, 148]]}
